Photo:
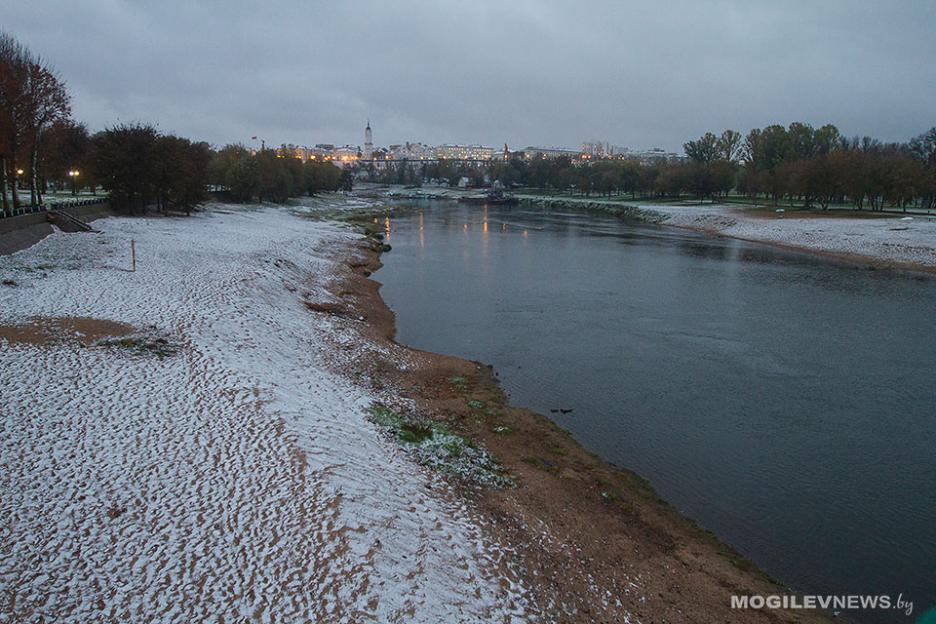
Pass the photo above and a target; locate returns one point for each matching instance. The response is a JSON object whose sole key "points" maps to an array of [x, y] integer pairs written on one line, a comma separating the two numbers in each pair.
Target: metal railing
{"points": [[39, 208]]}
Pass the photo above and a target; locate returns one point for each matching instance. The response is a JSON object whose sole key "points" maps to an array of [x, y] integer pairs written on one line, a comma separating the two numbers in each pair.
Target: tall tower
{"points": [[368, 142]]}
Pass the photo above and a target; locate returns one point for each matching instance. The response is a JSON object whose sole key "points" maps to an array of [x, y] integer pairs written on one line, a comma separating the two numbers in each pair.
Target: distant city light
{"points": [[449, 152]]}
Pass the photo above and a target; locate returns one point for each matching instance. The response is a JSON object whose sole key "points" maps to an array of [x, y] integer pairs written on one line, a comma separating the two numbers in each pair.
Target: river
{"points": [[783, 401]]}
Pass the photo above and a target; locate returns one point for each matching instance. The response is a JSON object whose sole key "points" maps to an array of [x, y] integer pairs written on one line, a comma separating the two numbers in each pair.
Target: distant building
{"points": [[651, 156], [535, 153], [600, 149], [346, 154], [368, 142], [322, 151], [464, 152], [410, 151], [294, 151]]}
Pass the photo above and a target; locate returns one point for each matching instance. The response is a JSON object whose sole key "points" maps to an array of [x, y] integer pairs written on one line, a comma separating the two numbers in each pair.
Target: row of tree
{"points": [[798, 163], [41, 147], [269, 176], [818, 167], [142, 168], [32, 98]]}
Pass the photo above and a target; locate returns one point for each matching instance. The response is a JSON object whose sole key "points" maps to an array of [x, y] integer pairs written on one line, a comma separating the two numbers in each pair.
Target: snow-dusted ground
{"points": [[891, 239], [254, 487]]}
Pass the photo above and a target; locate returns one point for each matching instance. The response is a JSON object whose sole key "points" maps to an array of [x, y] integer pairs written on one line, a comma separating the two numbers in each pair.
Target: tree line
{"points": [[42, 148], [819, 167], [271, 175], [32, 98], [811, 167], [799, 163]]}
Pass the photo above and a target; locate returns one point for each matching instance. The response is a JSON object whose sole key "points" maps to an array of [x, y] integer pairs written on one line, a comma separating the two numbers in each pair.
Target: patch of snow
{"points": [[235, 477], [913, 242]]}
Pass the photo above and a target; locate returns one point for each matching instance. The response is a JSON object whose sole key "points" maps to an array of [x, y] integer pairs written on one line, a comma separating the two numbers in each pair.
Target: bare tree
{"points": [[14, 63], [32, 97], [47, 102]]}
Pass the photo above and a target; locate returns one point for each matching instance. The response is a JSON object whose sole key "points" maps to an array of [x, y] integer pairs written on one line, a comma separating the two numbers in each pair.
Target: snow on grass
{"points": [[434, 445], [891, 238], [337, 206], [142, 344], [233, 477]]}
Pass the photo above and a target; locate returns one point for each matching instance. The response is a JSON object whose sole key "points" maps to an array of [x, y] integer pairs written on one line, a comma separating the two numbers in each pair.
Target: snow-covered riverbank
{"points": [[896, 239], [892, 239], [235, 476]]}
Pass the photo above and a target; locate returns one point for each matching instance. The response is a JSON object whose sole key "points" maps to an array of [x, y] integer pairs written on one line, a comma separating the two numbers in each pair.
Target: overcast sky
{"points": [[638, 74]]}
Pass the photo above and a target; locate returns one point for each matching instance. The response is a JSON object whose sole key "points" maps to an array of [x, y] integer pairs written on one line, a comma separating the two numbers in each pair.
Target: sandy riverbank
{"points": [[596, 543], [214, 456]]}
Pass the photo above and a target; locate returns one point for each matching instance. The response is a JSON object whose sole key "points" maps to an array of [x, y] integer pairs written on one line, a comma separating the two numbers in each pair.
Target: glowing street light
{"points": [[73, 174], [19, 172]]}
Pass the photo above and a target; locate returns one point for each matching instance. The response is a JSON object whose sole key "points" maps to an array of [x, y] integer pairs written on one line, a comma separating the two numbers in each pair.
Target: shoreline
{"points": [[605, 546], [874, 251], [719, 221], [578, 539]]}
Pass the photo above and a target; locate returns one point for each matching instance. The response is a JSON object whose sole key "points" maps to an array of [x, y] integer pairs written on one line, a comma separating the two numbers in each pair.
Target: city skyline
{"points": [[368, 151], [487, 74]]}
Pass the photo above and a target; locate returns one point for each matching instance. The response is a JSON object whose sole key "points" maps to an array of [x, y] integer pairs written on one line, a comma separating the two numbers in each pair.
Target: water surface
{"points": [[783, 401]]}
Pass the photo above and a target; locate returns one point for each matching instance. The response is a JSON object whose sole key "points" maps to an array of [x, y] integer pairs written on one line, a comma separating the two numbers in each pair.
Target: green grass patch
{"points": [[434, 445], [460, 383], [414, 433], [143, 345]]}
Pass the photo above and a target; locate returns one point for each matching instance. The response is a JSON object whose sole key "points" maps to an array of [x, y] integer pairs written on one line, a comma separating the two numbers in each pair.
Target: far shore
{"points": [[877, 239]]}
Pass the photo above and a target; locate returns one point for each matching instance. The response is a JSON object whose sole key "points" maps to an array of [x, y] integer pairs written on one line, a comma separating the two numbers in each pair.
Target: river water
{"points": [[783, 401]]}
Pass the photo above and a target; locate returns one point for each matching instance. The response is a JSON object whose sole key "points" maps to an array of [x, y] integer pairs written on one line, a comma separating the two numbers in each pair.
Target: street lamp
{"points": [[73, 174]]}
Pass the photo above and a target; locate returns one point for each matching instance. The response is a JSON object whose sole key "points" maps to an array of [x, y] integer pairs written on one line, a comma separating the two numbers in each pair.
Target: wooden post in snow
{"points": [[133, 253]]}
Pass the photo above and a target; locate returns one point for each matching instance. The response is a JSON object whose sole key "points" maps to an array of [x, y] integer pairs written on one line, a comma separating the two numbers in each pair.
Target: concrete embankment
{"points": [[23, 231]]}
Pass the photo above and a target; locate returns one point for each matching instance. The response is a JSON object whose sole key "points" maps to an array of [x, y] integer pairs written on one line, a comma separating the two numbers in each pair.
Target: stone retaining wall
{"points": [[24, 231]]}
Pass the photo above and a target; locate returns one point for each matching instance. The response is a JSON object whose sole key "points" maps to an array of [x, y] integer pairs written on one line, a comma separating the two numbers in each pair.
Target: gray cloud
{"points": [[633, 73]]}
